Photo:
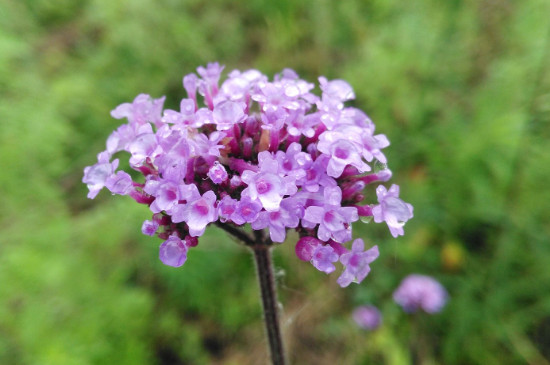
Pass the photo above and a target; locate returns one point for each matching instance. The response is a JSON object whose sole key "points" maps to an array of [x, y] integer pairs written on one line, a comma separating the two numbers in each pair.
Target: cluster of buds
{"points": [[270, 154]]}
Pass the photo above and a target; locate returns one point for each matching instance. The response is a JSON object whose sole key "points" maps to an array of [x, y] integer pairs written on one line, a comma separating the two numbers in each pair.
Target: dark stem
{"points": [[264, 269], [237, 233], [261, 247]]}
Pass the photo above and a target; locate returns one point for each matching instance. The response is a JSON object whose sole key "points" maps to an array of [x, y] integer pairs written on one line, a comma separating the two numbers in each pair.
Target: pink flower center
{"points": [[329, 217], [227, 210], [201, 207], [246, 211], [170, 195], [311, 174], [341, 153], [354, 261], [274, 215], [263, 186]]}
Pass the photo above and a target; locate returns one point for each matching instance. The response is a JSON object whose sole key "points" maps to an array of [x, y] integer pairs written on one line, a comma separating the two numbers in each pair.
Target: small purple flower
{"points": [[316, 175], [120, 138], [217, 173], [267, 185], [228, 113], [149, 228], [333, 219], [336, 90], [119, 183], [185, 116], [323, 257], [96, 175], [356, 263], [197, 213], [246, 211], [294, 161], [166, 193], [420, 291], [300, 124], [211, 73], [226, 207], [172, 163], [394, 211], [173, 252], [200, 213], [208, 86], [367, 317], [143, 109], [142, 147], [204, 145], [342, 152], [276, 96], [277, 222], [237, 87]]}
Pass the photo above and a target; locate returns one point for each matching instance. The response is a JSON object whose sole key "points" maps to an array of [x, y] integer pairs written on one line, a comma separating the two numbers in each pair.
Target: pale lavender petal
{"points": [[173, 252]]}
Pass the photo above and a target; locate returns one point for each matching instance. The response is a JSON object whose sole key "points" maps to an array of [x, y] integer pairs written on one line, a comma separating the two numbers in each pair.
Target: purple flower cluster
{"points": [[252, 151], [420, 291]]}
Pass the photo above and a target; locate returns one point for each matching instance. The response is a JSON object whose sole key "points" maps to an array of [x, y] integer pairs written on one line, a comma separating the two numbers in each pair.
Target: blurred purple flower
{"points": [[420, 292], [367, 317]]}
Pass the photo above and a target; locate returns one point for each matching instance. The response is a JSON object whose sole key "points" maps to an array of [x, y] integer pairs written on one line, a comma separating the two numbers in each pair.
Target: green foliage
{"points": [[462, 90]]}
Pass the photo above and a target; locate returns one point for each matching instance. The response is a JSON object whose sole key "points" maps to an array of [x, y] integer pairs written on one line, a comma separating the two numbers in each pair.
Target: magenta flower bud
{"points": [[358, 198], [351, 190], [247, 143], [191, 241], [305, 247], [364, 210], [141, 197], [339, 248]]}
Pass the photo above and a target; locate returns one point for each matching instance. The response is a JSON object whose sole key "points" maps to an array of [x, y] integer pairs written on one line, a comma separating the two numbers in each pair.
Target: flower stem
{"points": [[264, 270], [261, 248]]}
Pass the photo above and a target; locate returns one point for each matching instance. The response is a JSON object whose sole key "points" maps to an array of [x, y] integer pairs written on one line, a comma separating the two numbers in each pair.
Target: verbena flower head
{"points": [[367, 317], [420, 292], [247, 150]]}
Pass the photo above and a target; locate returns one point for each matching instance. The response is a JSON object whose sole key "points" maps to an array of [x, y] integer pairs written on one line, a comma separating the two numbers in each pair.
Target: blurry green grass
{"points": [[462, 90]]}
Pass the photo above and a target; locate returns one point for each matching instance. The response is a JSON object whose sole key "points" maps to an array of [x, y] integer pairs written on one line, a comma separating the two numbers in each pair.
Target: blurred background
{"points": [[461, 89]]}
